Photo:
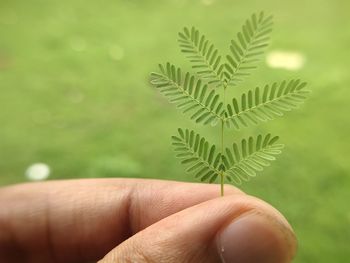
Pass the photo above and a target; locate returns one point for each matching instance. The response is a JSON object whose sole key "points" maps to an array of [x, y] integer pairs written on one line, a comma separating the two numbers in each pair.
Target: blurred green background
{"points": [[75, 95]]}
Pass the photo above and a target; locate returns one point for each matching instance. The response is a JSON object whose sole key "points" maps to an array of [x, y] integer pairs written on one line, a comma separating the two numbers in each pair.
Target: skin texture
{"points": [[129, 220]]}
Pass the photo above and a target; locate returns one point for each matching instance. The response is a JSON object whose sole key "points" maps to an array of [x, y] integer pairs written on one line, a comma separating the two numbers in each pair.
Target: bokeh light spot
{"points": [[37, 172], [289, 60]]}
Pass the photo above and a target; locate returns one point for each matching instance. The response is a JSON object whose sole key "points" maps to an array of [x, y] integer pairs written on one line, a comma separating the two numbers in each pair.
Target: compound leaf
{"points": [[189, 94], [265, 104], [244, 160], [200, 157], [204, 56], [246, 49]]}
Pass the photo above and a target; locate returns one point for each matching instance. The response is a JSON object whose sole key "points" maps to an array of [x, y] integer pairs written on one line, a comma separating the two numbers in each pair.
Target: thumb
{"points": [[237, 228]]}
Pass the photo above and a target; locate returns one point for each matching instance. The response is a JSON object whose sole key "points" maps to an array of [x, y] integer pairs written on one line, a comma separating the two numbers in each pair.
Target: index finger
{"points": [[81, 220]]}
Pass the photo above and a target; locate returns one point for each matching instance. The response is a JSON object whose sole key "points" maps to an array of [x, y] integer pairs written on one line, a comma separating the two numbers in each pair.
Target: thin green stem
{"points": [[222, 183], [222, 179], [222, 152], [222, 137]]}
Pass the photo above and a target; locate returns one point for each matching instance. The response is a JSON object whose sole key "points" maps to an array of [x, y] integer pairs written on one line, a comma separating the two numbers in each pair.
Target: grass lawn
{"points": [[75, 95]]}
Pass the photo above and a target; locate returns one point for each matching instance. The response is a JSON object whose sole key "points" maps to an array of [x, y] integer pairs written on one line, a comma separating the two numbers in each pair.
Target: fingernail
{"points": [[255, 237]]}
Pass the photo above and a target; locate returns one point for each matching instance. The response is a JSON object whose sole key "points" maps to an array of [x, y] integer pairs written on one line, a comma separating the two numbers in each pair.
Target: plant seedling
{"points": [[203, 98]]}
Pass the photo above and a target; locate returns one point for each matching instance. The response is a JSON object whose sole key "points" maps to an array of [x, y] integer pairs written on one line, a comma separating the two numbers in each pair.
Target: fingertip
{"points": [[256, 236], [234, 228]]}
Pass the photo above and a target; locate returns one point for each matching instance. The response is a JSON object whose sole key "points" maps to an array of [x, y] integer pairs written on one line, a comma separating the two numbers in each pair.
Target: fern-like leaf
{"points": [[189, 94], [204, 56], [198, 154], [249, 157], [264, 104], [250, 44]]}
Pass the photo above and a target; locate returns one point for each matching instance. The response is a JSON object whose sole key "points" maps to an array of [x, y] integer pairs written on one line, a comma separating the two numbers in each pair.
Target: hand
{"points": [[129, 220]]}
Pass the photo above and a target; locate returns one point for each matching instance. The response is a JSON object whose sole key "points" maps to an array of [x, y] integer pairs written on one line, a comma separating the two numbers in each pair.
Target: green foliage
{"points": [[238, 164], [195, 94], [252, 41], [250, 156], [203, 55], [199, 154], [264, 104], [189, 94]]}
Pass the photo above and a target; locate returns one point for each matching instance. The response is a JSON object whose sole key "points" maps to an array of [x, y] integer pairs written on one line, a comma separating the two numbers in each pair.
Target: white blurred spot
{"points": [[290, 60], [78, 44], [116, 52], [207, 2], [37, 172]]}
